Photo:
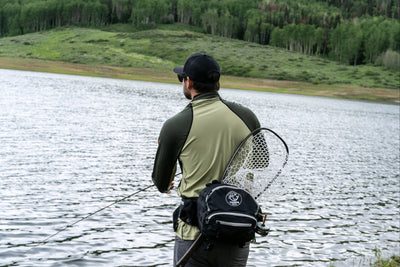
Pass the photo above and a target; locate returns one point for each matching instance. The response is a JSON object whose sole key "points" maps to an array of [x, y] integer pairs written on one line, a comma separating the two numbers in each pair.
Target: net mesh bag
{"points": [[257, 162]]}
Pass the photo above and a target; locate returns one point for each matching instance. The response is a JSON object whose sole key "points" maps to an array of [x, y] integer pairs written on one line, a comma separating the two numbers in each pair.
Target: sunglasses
{"points": [[182, 76]]}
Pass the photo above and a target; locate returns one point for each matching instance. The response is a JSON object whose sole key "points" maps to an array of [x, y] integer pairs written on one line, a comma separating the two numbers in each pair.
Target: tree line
{"points": [[353, 32]]}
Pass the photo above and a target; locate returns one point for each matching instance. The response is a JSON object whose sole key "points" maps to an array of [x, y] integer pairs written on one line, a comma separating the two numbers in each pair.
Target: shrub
{"points": [[390, 59]]}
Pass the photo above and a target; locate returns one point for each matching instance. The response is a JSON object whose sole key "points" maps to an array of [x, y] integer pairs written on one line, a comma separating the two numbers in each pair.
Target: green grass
{"points": [[377, 261], [163, 48], [393, 261]]}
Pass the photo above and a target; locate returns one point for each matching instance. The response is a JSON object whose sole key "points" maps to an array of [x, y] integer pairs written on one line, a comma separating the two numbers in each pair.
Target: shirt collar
{"points": [[205, 96]]}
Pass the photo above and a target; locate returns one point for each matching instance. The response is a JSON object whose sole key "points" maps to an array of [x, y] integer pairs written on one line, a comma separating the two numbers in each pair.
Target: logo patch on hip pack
{"points": [[233, 199]]}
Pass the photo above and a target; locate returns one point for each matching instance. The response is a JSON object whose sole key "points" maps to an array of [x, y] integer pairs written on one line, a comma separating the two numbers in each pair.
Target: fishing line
{"points": [[44, 241]]}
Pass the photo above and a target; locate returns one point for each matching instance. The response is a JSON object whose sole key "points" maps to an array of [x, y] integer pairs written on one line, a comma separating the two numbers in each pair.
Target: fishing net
{"points": [[257, 162]]}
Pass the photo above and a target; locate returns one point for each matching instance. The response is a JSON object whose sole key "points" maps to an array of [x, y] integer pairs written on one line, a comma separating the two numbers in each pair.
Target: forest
{"points": [[351, 32]]}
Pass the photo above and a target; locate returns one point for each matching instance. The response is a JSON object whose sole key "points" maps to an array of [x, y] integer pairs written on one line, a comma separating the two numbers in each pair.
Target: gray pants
{"points": [[220, 255]]}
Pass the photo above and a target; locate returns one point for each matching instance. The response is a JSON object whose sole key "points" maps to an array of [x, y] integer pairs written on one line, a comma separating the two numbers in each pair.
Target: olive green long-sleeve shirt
{"points": [[202, 138]]}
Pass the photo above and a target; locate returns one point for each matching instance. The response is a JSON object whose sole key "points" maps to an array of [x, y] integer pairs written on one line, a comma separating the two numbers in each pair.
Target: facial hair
{"points": [[186, 91]]}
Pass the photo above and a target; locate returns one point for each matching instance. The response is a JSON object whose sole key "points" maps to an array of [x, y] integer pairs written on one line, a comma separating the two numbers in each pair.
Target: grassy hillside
{"points": [[159, 50]]}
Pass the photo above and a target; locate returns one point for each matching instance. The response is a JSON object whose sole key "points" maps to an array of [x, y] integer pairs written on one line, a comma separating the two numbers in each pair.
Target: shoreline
{"points": [[341, 91]]}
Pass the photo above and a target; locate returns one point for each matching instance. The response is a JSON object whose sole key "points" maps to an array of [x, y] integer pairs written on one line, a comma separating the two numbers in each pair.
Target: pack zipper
{"points": [[231, 214], [218, 188], [228, 186], [233, 224]]}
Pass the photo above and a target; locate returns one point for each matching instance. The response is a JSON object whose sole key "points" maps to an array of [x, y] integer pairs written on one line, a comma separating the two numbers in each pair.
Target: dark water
{"points": [[71, 145]]}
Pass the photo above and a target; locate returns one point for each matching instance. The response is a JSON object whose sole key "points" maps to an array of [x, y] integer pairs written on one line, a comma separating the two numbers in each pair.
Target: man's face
{"points": [[186, 91]]}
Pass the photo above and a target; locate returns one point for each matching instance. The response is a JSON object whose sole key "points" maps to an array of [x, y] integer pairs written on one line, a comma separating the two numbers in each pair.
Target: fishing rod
{"points": [[44, 241]]}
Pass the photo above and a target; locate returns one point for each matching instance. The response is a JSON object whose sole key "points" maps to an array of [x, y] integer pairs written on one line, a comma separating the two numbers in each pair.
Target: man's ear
{"points": [[189, 83]]}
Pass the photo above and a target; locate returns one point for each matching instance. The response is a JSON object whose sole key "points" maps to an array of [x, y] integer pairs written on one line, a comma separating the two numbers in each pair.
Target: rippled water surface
{"points": [[71, 145]]}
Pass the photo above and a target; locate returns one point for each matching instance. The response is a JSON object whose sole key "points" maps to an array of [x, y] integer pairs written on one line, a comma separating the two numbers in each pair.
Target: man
{"points": [[202, 138]]}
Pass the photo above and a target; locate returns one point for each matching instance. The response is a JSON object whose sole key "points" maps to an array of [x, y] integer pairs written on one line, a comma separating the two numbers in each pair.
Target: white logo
{"points": [[233, 199]]}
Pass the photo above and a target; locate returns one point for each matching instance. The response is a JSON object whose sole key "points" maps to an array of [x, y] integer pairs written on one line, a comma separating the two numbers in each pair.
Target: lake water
{"points": [[71, 145]]}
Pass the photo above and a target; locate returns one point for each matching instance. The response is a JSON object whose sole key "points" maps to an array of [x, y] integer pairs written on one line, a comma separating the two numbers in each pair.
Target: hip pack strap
{"points": [[187, 212]]}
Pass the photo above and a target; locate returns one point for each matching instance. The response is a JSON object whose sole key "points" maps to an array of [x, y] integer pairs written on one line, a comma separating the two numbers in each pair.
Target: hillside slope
{"points": [[162, 49]]}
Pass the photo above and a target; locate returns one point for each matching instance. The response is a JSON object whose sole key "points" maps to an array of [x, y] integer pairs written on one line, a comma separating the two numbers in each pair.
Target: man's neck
{"points": [[199, 95]]}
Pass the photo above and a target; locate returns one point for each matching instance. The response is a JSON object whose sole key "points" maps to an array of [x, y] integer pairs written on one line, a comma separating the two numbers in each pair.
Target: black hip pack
{"points": [[227, 213]]}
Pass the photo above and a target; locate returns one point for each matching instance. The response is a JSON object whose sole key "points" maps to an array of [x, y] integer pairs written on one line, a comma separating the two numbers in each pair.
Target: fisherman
{"points": [[202, 138]]}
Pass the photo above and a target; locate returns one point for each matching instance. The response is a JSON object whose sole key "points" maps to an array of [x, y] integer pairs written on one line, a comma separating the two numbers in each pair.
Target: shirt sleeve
{"points": [[171, 140], [247, 116]]}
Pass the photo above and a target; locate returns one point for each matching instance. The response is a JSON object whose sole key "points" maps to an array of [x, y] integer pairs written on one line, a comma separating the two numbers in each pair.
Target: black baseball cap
{"points": [[197, 67]]}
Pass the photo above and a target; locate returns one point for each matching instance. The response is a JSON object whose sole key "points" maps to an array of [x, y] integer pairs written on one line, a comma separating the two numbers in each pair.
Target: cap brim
{"points": [[178, 69]]}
